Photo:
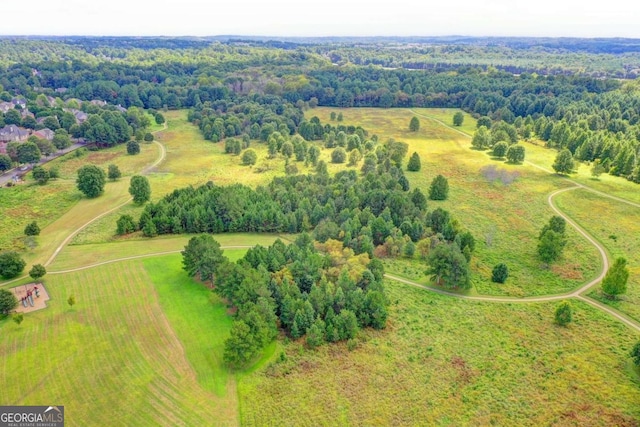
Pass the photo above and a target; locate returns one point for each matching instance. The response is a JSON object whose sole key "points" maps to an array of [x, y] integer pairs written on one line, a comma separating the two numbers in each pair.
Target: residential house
{"points": [[6, 106], [80, 116], [18, 100], [121, 108], [24, 113], [98, 102], [45, 133], [13, 133], [61, 89]]}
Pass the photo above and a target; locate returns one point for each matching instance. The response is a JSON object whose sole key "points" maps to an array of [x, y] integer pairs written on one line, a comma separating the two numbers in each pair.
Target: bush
{"points": [[339, 155], [32, 229], [133, 147], [249, 157], [500, 273], [563, 313], [635, 354], [148, 137]]}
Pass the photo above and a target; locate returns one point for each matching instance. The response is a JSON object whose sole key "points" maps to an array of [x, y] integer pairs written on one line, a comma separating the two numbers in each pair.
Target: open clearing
{"points": [[504, 218], [443, 361], [123, 349]]}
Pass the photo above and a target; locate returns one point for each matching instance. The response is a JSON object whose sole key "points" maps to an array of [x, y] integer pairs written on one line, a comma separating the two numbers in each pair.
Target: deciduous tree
{"points": [[615, 281], [91, 180], [515, 154], [414, 124], [11, 264], [32, 229], [458, 118], [37, 271], [8, 301], [140, 189], [113, 172], [564, 162]]}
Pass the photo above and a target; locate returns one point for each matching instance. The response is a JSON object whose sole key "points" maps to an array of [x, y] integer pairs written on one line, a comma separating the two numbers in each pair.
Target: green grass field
{"points": [[145, 342], [505, 219], [140, 344], [617, 226], [448, 362]]}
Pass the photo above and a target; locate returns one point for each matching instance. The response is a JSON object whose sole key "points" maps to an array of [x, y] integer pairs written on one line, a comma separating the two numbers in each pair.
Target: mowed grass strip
{"points": [[115, 353], [504, 218], [444, 361], [78, 256], [617, 226]]}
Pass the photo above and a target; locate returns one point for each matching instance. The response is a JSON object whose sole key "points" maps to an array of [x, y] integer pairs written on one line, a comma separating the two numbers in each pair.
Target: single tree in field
{"points": [[148, 137], [133, 147], [500, 149], [563, 313], [414, 124], [91, 180], [515, 154], [11, 264], [41, 175], [340, 117], [635, 354], [18, 318], [159, 118], [458, 118], [71, 300], [8, 302], [32, 229], [481, 139], [140, 189], [564, 162], [615, 282], [249, 157], [414, 163], [113, 172], [500, 273], [201, 257], [37, 271], [449, 267], [332, 116], [439, 189], [550, 246]]}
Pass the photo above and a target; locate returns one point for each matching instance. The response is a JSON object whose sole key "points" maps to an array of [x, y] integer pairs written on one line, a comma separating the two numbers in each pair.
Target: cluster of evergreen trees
{"points": [[321, 292]]}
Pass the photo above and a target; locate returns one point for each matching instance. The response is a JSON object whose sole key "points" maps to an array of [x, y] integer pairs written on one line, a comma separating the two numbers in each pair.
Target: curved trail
{"points": [[577, 293]]}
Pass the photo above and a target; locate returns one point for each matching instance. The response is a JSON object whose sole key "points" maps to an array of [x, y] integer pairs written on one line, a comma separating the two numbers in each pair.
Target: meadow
{"points": [[142, 329], [449, 362], [505, 218], [138, 347], [617, 226]]}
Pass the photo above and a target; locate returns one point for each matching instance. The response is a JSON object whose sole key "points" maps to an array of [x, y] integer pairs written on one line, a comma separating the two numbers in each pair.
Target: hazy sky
{"points": [[581, 18]]}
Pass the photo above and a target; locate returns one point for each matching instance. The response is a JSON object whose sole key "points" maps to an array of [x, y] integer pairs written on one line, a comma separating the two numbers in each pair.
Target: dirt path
{"points": [[578, 293]]}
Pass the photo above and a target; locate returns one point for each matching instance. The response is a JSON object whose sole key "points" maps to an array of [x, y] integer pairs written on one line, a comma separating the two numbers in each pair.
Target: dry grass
{"points": [[450, 362], [505, 219]]}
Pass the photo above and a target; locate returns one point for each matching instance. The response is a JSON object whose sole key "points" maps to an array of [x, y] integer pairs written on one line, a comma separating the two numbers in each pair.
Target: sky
{"points": [[552, 18]]}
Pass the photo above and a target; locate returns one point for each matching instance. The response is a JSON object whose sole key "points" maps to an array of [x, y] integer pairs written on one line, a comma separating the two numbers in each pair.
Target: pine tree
{"points": [[414, 163]]}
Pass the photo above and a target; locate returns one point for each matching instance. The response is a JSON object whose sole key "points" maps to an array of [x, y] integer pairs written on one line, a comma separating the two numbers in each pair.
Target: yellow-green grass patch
{"points": [[617, 226], [115, 353], [444, 361], [77, 256]]}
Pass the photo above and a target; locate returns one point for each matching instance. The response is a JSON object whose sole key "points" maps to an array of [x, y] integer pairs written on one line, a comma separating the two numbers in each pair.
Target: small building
{"points": [[6, 106], [18, 100]]}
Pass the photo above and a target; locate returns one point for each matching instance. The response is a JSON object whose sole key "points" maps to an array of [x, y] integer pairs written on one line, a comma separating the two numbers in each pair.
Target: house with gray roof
{"points": [[45, 133], [12, 133]]}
